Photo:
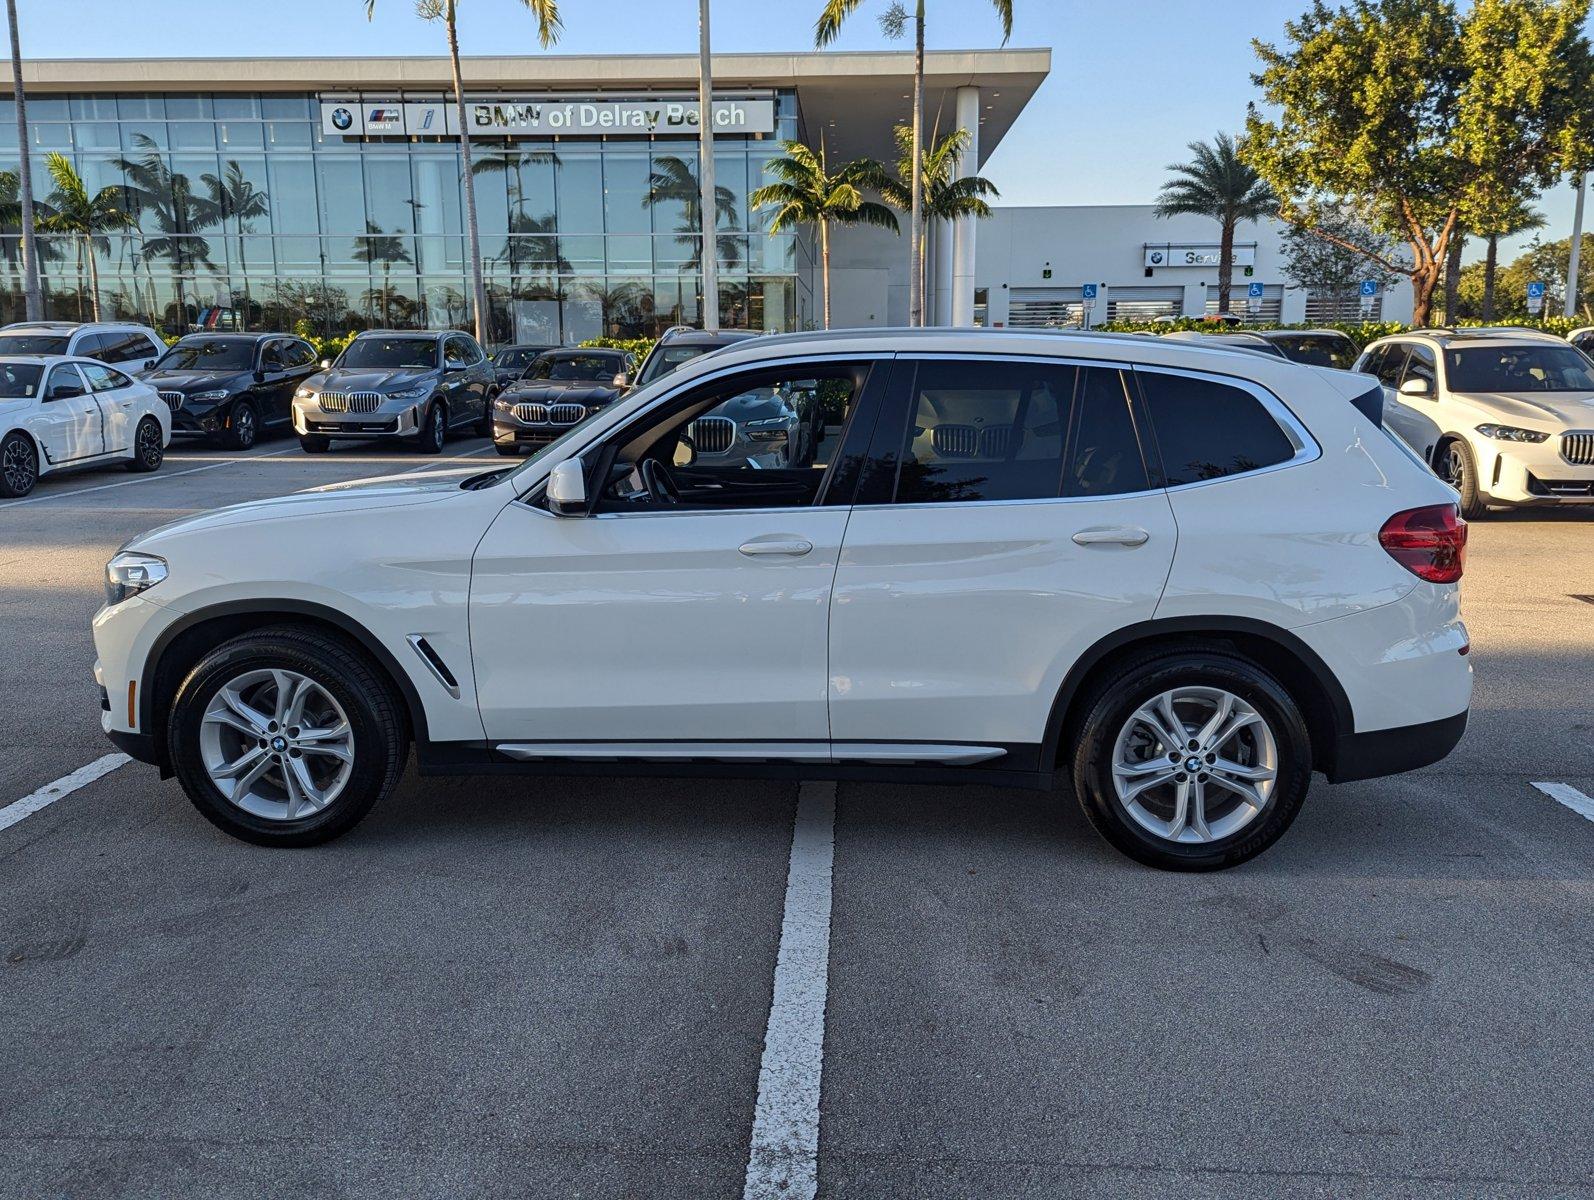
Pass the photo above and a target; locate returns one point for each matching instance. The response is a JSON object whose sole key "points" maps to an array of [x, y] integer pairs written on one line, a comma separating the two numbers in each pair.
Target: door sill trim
{"points": [[825, 752]]}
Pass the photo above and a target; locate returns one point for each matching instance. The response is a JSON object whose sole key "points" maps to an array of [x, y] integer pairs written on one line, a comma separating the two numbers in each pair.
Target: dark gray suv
{"points": [[391, 383]]}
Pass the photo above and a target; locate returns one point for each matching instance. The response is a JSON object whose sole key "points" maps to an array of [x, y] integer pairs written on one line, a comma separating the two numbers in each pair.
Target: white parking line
{"points": [[152, 477], [783, 1159], [65, 786], [1569, 796], [442, 464]]}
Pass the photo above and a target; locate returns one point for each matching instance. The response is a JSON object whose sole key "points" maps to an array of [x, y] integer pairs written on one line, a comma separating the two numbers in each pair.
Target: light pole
{"points": [[708, 213], [1577, 248], [33, 302]]}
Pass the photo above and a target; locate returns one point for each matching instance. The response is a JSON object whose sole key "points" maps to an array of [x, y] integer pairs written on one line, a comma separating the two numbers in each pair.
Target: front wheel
{"points": [[434, 430], [1459, 469], [1192, 760], [314, 443], [484, 427], [509, 451], [148, 448], [19, 465], [286, 736], [244, 427]]}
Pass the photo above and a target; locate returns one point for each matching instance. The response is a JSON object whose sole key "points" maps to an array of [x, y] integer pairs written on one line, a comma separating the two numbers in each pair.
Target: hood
{"points": [[1572, 410], [186, 381], [560, 391], [367, 379], [390, 491]]}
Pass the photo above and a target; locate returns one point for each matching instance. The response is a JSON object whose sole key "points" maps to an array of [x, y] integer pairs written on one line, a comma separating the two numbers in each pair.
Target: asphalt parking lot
{"points": [[508, 987]]}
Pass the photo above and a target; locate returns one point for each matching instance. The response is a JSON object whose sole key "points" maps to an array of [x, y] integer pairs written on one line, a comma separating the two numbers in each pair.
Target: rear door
{"points": [[120, 401], [1006, 521]]}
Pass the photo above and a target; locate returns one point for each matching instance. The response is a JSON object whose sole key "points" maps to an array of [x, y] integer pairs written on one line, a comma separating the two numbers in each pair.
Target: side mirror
{"points": [[620, 380], [567, 489], [326, 364], [1416, 387]]}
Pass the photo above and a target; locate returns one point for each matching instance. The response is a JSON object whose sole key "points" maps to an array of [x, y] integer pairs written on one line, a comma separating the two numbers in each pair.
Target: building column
{"points": [[968, 117], [941, 251]]}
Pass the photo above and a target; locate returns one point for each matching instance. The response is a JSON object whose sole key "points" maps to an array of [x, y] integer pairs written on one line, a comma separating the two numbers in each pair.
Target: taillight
{"points": [[1429, 542]]}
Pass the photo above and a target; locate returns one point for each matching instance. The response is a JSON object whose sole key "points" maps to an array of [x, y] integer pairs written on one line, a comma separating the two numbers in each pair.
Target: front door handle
{"points": [[1112, 537], [790, 547]]}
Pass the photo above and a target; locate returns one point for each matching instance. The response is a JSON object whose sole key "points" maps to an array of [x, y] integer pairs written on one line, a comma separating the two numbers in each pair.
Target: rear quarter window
{"points": [[1210, 430]]}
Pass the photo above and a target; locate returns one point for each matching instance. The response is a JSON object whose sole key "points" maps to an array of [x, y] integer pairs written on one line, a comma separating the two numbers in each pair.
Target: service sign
{"points": [[554, 117], [1196, 254]]}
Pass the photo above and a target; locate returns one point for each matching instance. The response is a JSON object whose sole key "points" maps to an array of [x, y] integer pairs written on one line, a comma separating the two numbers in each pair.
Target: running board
{"points": [[816, 752]]}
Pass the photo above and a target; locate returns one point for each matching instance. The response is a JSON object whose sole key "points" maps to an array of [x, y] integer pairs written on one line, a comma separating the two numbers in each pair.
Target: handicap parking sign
{"points": [[1089, 291], [1369, 287], [1254, 291], [1536, 290]]}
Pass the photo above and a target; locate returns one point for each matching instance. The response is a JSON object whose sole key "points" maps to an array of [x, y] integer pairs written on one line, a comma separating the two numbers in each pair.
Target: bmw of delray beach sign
{"points": [[546, 117]]}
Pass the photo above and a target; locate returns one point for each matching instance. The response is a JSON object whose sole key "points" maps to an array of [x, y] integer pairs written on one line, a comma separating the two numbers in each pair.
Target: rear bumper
{"points": [[1391, 751]]}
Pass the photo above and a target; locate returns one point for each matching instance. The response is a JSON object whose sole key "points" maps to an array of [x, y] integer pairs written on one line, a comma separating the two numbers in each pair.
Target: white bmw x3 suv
{"points": [[1505, 416], [1186, 578]]}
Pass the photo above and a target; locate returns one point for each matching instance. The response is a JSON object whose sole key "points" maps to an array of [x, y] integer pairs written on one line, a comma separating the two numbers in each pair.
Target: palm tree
{"points": [[894, 22], [447, 11], [807, 194], [673, 181], [379, 246], [233, 197], [168, 197], [944, 196], [1519, 218], [1217, 184], [85, 219], [33, 297]]}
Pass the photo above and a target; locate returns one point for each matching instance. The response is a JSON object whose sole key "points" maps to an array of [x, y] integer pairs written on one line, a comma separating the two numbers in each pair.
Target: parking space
{"points": [[562, 988]]}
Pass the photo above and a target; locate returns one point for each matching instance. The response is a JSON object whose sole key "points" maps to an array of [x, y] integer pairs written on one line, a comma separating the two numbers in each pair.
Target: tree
{"points": [[673, 182], [894, 23], [1335, 267], [379, 246], [1425, 120], [1544, 262], [447, 11], [84, 218], [944, 196], [33, 297], [1216, 183], [168, 198], [234, 197], [1518, 218], [805, 193]]}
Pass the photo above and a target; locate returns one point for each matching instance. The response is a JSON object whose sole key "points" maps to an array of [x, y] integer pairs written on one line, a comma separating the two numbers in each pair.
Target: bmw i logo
{"points": [[342, 118]]}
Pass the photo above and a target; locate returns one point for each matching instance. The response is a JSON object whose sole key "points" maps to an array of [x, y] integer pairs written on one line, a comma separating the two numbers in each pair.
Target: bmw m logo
{"points": [[383, 116], [342, 118]]}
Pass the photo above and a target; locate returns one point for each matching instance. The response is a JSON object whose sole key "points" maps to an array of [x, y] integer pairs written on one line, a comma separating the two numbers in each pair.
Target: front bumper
{"points": [[1529, 475], [400, 418], [208, 421]]}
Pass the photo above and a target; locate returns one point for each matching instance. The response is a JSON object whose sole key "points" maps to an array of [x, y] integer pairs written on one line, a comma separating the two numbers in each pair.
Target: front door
{"points": [[689, 609], [69, 424], [1006, 522]]}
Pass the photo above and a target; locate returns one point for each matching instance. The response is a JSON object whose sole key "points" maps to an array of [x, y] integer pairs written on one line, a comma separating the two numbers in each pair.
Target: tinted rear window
{"points": [[1319, 350], [1209, 430], [33, 343]]}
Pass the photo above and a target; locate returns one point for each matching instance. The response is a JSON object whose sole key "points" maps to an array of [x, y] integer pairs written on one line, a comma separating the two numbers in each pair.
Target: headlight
{"points": [[412, 393], [304, 394], [130, 573], [504, 402], [218, 394], [1510, 433]]}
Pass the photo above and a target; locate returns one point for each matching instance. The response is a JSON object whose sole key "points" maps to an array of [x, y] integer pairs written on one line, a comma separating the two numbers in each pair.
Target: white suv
{"points": [[1186, 577], [126, 346], [1505, 416]]}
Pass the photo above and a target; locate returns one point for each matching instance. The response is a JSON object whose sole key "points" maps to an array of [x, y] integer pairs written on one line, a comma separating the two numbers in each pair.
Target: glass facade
{"points": [[242, 213]]}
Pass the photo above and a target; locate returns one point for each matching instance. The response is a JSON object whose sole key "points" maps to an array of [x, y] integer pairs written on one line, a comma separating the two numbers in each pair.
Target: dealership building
{"points": [[269, 192]]}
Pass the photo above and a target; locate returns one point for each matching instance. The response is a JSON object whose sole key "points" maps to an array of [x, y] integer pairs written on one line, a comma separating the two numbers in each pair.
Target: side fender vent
{"points": [[434, 663]]}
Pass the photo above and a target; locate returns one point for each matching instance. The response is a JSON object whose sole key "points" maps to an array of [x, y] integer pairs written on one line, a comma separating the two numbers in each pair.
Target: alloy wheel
{"points": [[1453, 468], [244, 427], [276, 744], [149, 444], [18, 467], [1195, 765]]}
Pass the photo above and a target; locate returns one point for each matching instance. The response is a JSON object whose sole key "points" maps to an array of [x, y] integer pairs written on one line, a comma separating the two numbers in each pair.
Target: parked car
{"points": [[510, 362], [1583, 339], [1230, 341], [680, 344], [1315, 347], [391, 383], [1151, 565], [561, 388], [59, 413], [231, 387], [123, 345], [1505, 416]]}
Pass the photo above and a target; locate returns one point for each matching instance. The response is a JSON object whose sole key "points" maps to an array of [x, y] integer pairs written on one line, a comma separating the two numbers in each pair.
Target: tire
{"points": [[314, 443], [509, 451], [243, 428], [270, 814], [434, 429], [484, 427], [148, 450], [19, 465], [1457, 467], [1234, 830]]}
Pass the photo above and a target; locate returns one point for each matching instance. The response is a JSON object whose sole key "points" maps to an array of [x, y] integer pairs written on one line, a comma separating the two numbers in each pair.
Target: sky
{"points": [[1131, 85]]}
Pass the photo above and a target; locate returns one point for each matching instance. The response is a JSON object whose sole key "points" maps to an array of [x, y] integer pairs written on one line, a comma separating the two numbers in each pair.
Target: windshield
{"points": [[417, 353], [208, 354], [669, 358], [515, 358], [33, 343], [1518, 369], [18, 380], [588, 368], [1319, 350]]}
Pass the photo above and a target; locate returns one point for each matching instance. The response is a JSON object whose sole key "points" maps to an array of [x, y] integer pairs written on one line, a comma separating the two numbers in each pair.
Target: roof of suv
{"points": [[409, 333], [680, 335], [69, 326], [1490, 335]]}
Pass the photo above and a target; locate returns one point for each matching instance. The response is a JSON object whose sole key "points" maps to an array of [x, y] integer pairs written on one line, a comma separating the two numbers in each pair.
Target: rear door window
{"points": [[102, 378], [1207, 429]]}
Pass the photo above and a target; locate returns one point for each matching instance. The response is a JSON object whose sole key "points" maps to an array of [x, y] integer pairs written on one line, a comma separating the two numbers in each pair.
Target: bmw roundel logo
{"points": [[342, 118], [1156, 255]]}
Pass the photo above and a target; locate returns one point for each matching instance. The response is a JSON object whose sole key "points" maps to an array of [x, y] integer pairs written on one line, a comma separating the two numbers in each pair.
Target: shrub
{"points": [[638, 347]]}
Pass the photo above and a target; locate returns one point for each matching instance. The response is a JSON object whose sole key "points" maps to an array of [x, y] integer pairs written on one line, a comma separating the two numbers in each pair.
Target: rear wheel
{"points": [[286, 737], [148, 448], [314, 443], [1458, 468], [434, 430], [1192, 760], [19, 465]]}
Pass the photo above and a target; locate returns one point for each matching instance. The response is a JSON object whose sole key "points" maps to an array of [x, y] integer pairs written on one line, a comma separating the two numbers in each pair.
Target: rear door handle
{"points": [[1112, 537], [790, 547]]}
